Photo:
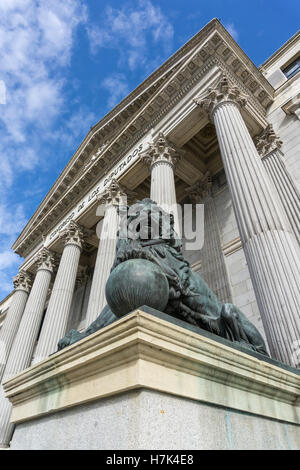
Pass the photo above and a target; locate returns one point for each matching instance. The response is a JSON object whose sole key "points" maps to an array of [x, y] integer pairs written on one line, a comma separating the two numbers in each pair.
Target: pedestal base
{"points": [[149, 381], [147, 419]]}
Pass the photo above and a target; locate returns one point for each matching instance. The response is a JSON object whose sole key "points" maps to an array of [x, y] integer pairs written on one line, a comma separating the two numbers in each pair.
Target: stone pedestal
{"points": [[151, 381]]}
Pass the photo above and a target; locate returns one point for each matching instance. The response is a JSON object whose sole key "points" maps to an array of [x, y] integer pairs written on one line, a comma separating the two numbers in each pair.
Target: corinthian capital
{"points": [[83, 275], [46, 259], [222, 92], [115, 194], [161, 150], [267, 141], [201, 190], [73, 234], [22, 281]]}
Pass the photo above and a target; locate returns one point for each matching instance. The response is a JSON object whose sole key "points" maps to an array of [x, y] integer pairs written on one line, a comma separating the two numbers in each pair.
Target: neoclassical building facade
{"points": [[207, 127]]}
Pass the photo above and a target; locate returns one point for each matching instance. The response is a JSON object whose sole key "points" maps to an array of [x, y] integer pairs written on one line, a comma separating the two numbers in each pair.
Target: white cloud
{"points": [[6, 282], [36, 44], [76, 127], [8, 259], [2, 92], [231, 30], [36, 40], [132, 30], [117, 87], [12, 219]]}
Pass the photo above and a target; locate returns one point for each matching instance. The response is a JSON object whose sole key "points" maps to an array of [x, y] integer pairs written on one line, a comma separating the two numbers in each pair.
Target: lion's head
{"points": [[145, 220]]}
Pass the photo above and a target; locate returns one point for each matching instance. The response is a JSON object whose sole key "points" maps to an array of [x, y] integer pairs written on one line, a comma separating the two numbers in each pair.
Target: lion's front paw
{"points": [[68, 339]]}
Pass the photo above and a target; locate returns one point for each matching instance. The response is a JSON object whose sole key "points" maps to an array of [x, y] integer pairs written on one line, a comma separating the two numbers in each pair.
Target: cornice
{"points": [[121, 128], [155, 351], [3, 301], [280, 52]]}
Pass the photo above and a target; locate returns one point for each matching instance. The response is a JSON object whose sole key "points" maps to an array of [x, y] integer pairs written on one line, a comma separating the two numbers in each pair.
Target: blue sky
{"points": [[65, 64]]}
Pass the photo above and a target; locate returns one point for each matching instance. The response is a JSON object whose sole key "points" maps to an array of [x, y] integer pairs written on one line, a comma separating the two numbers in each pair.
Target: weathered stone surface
{"points": [[152, 420]]}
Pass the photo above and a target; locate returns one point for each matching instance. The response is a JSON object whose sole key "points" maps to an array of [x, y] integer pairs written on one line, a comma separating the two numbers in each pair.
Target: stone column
{"points": [[162, 156], [270, 246], [114, 196], [56, 318], [268, 146], [22, 284], [213, 267], [24, 343]]}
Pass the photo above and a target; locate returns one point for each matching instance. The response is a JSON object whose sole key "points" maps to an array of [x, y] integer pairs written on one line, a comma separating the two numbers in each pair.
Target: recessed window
{"points": [[292, 68]]}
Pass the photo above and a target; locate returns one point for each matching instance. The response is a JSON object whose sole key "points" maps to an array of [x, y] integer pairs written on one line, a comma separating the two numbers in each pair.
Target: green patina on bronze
{"points": [[189, 298]]}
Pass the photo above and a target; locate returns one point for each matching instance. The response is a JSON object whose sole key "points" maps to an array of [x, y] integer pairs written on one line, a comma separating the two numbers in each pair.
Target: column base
{"points": [[149, 381]]}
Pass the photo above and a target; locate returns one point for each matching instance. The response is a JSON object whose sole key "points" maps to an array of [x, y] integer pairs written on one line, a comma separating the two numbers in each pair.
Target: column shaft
{"points": [[163, 189], [23, 346], [11, 324], [104, 261], [162, 156], [287, 191], [269, 244], [56, 318], [213, 268]]}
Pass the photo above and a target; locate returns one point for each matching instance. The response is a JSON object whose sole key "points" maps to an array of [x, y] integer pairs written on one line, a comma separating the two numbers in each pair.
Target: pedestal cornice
{"points": [[155, 351]]}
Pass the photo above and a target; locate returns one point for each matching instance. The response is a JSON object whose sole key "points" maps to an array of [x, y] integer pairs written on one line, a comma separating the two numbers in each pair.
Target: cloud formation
{"points": [[36, 40], [36, 43], [117, 87], [132, 29], [140, 33], [232, 30]]}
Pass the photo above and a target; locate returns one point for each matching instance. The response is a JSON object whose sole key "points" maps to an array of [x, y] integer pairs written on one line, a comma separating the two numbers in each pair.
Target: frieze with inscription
{"points": [[84, 203]]}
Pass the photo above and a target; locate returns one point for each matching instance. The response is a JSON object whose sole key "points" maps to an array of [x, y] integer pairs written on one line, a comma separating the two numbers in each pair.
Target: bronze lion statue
{"points": [[144, 234]]}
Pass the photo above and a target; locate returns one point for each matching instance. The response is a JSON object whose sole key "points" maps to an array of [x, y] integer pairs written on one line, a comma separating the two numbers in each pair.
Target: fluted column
{"points": [[22, 284], [56, 318], [213, 268], [162, 156], [269, 148], [269, 244], [111, 199], [24, 343]]}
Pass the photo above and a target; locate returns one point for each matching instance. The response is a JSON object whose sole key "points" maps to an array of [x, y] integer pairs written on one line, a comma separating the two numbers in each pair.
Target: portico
{"points": [[188, 132]]}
